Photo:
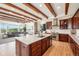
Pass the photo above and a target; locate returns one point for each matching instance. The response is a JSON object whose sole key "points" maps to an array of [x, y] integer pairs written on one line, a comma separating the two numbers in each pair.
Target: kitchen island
{"points": [[32, 45]]}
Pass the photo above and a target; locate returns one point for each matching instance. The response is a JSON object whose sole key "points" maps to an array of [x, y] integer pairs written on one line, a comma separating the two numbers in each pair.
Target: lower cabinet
{"points": [[74, 46], [63, 37], [24, 49], [44, 45], [37, 48], [18, 48], [77, 50]]}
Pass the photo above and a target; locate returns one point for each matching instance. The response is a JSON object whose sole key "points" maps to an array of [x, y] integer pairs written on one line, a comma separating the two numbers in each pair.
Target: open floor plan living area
{"points": [[39, 29]]}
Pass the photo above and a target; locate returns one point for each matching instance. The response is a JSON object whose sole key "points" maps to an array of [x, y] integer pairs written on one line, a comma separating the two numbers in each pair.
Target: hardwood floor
{"points": [[57, 49]]}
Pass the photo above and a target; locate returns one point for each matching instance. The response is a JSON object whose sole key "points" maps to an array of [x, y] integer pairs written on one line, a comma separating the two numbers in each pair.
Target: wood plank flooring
{"points": [[57, 49]]}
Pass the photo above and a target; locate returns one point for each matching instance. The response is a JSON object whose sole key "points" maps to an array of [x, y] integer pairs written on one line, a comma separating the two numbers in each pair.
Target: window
{"points": [[5, 27], [30, 28]]}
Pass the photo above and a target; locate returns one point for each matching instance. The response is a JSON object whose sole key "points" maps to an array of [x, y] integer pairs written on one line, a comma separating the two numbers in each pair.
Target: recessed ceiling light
{"points": [[40, 5]]}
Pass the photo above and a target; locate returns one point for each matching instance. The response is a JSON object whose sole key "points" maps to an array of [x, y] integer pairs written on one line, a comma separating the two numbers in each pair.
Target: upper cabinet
{"points": [[64, 24], [75, 20], [49, 25]]}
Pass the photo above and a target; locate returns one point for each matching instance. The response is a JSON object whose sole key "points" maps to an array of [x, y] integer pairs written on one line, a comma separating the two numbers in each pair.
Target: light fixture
{"points": [[40, 5]]}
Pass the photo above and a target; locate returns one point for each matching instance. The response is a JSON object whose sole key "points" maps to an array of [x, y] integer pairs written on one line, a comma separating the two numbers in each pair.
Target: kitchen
{"points": [[43, 27]]}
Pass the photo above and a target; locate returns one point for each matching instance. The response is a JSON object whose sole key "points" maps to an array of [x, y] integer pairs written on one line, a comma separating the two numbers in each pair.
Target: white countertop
{"points": [[75, 38], [28, 39]]}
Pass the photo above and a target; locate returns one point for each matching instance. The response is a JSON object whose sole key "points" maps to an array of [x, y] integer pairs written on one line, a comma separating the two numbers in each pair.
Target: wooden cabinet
{"points": [[35, 49], [44, 45], [63, 37], [75, 22], [49, 25], [72, 45], [77, 50], [48, 43], [24, 49], [64, 24], [71, 40], [18, 48]]}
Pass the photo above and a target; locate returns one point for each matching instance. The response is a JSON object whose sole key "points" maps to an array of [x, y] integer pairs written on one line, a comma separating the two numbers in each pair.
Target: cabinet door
{"points": [[49, 42], [44, 45], [75, 22], [24, 49], [49, 25], [72, 45], [35, 49], [64, 24], [63, 37], [18, 48], [77, 50], [71, 40]]}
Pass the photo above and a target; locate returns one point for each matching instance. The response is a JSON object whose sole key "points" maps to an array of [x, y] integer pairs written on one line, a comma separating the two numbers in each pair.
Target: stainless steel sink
{"points": [[40, 36]]}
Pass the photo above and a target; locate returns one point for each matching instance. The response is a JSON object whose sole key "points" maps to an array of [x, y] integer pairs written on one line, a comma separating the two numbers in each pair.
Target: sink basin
{"points": [[40, 36]]}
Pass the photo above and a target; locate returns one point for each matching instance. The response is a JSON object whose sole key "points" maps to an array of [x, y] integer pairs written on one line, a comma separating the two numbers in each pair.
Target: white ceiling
{"points": [[28, 9], [73, 8], [43, 8], [15, 10], [59, 9]]}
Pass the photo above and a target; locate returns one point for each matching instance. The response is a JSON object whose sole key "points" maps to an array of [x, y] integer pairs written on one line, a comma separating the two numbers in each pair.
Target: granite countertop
{"points": [[75, 38], [29, 39]]}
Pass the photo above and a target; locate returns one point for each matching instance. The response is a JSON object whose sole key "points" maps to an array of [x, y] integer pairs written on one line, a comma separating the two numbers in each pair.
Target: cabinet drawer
{"points": [[77, 50], [63, 37], [33, 49], [35, 44], [37, 52]]}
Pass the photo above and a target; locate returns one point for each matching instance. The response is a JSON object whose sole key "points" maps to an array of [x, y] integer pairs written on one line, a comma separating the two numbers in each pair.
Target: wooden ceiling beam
{"points": [[50, 8], [11, 5], [16, 13], [66, 8], [35, 9], [11, 15], [10, 19]]}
